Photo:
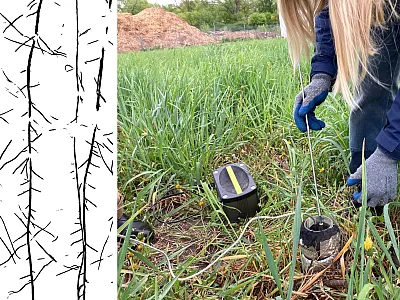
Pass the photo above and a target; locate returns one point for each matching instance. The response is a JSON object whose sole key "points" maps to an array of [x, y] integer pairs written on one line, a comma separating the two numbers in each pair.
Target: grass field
{"points": [[183, 113]]}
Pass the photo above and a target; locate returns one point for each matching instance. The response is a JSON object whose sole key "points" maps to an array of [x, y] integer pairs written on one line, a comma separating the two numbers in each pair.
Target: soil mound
{"points": [[154, 27]]}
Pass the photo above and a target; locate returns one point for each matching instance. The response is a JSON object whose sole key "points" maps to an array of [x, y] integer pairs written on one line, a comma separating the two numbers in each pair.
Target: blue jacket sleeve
{"points": [[389, 138], [324, 59]]}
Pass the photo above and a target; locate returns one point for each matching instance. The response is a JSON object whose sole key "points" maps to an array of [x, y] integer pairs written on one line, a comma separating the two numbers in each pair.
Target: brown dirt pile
{"points": [[154, 27]]}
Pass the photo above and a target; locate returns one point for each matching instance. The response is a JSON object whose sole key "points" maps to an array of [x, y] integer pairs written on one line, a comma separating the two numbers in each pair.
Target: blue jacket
{"points": [[324, 61]]}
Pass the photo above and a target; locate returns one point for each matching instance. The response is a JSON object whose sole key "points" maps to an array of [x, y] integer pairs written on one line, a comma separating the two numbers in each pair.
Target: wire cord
{"points": [[310, 147]]}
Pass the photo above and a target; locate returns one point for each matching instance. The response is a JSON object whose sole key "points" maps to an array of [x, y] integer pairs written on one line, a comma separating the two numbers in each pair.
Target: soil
{"points": [[191, 235], [156, 28], [250, 34]]}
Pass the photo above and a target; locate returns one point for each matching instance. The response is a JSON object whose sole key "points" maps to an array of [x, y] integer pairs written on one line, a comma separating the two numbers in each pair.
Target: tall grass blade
{"points": [[270, 259], [378, 290], [156, 289], [389, 227], [382, 246], [296, 238], [359, 248], [121, 256]]}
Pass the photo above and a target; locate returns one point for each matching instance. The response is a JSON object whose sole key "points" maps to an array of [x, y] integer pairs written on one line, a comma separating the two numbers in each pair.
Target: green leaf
{"points": [[132, 289], [145, 260], [270, 259], [240, 286], [365, 291]]}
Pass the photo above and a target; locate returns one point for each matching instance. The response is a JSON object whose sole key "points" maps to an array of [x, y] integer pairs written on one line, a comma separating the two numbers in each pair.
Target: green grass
{"points": [[185, 112]]}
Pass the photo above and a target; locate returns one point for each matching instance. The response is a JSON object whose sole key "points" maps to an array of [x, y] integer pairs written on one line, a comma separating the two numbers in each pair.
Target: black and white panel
{"points": [[58, 149]]}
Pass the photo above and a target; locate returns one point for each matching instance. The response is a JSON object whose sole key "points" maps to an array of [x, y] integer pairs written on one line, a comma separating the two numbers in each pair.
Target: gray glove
{"points": [[314, 94], [381, 179]]}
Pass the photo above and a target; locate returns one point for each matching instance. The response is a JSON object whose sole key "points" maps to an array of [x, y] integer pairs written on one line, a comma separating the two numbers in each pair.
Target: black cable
{"points": [[167, 196]]}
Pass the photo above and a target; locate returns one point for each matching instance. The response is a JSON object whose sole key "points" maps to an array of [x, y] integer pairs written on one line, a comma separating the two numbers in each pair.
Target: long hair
{"points": [[351, 22]]}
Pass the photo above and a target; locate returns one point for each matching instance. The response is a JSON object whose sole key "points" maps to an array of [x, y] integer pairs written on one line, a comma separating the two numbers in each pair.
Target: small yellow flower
{"points": [[144, 133], [201, 203], [139, 247], [289, 142], [368, 243], [178, 186], [252, 137], [241, 87], [321, 170]]}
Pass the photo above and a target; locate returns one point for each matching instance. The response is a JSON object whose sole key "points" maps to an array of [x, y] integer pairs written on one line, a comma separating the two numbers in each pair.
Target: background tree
{"points": [[266, 6], [133, 6], [257, 19]]}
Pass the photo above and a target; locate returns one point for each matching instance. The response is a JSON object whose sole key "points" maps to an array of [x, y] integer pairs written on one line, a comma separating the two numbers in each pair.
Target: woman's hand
{"points": [[314, 94], [381, 179]]}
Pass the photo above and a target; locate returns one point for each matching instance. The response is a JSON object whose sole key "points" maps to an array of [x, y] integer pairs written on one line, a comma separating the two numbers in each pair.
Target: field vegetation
{"points": [[183, 113]]}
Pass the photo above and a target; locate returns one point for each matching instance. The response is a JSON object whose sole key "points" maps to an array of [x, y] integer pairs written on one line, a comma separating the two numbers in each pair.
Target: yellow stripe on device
{"points": [[233, 178]]}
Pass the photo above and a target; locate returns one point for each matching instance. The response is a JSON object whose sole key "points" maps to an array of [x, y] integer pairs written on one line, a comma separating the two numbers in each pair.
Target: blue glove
{"points": [[314, 94], [381, 179]]}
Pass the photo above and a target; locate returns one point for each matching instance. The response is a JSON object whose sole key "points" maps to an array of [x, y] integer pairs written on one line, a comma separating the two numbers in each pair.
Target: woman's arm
{"points": [[324, 59], [389, 137]]}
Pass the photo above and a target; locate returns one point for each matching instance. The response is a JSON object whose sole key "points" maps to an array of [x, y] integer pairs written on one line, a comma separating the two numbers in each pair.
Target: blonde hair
{"points": [[351, 22]]}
